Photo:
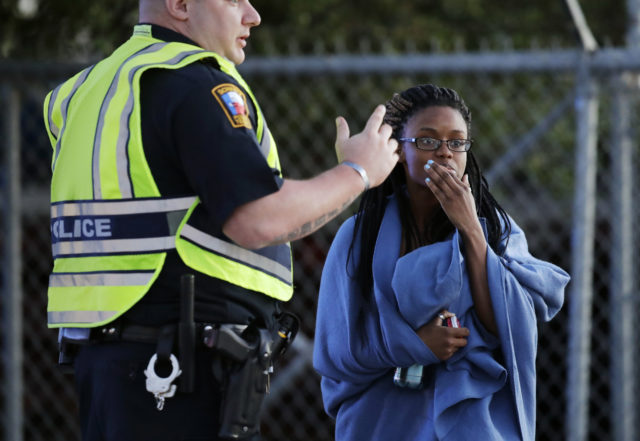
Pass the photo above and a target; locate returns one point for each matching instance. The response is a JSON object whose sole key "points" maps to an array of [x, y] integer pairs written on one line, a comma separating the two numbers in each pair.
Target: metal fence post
{"points": [[621, 284], [623, 305], [582, 246], [633, 23], [12, 265]]}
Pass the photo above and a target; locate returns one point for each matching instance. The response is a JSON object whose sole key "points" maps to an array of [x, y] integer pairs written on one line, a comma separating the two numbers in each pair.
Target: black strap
{"points": [[165, 342]]}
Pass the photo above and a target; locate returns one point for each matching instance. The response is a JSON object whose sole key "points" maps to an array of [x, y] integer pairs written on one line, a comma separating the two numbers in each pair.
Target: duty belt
{"points": [[224, 337]]}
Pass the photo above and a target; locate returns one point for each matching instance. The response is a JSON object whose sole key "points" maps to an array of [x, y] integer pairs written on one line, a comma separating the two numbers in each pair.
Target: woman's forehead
{"points": [[437, 118]]}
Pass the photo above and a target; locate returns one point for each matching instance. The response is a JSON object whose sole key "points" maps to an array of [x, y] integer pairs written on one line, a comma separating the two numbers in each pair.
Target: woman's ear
{"points": [[177, 9], [401, 158]]}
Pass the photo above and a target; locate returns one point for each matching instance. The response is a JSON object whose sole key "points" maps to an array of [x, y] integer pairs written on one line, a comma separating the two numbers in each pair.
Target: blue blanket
{"points": [[486, 391]]}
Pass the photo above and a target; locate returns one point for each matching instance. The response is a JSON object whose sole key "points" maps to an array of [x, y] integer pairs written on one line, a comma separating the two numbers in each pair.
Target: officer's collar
{"points": [[162, 33]]}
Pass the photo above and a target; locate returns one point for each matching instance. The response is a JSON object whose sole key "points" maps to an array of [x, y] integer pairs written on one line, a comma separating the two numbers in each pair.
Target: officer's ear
{"points": [[177, 9]]}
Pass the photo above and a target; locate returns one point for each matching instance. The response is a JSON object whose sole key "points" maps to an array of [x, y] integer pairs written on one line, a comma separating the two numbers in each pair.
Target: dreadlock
{"points": [[400, 108]]}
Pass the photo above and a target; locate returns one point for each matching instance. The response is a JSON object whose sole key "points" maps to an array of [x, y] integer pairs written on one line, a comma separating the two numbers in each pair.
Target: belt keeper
{"points": [[165, 342]]}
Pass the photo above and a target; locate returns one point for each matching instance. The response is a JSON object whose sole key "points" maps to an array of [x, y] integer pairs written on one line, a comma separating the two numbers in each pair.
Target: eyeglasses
{"points": [[430, 144]]}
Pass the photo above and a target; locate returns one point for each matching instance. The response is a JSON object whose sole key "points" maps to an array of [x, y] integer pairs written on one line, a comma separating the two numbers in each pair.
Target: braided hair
{"points": [[400, 108]]}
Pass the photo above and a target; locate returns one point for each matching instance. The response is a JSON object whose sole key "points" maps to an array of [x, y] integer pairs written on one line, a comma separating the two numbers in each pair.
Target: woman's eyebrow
{"points": [[431, 129]]}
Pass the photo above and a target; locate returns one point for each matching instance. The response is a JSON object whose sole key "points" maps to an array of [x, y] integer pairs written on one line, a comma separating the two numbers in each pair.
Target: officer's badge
{"points": [[234, 103]]}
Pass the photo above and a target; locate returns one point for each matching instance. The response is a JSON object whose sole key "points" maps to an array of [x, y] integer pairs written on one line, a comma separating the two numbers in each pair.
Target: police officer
{"points": [[163, 164]]}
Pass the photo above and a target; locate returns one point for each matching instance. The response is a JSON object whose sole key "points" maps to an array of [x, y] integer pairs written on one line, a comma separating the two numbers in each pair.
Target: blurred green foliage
{"points": [[84, 29]]}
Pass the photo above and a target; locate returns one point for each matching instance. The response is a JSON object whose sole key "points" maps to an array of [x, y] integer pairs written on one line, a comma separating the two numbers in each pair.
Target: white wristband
{"points": [[361, 171]]}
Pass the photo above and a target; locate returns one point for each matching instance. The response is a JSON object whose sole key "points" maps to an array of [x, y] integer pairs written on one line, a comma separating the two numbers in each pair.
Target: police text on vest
{"points": [[86, 228]]}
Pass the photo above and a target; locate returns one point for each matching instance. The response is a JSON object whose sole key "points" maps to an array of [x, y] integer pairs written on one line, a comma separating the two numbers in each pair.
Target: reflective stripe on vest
{"points": [[125, 278], [275, 265], [79, 318], [120, 207]]}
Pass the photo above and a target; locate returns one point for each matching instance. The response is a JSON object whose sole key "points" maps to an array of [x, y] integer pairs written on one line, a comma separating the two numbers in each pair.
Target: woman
{"points": [[428, 243]]}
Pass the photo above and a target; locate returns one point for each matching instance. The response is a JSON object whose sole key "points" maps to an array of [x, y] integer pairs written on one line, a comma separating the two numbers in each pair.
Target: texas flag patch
{"points": [[234, 103]]}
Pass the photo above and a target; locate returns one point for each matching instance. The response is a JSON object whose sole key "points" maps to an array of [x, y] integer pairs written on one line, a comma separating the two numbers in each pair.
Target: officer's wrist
{"points": [[361, 171]]}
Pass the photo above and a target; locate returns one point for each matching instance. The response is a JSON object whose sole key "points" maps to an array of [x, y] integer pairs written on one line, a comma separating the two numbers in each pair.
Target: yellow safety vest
{"points": [[110, 226]]}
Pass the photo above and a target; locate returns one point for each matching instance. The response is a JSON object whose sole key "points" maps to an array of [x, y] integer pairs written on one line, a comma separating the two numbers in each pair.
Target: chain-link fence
{"points": [[555, 134]]}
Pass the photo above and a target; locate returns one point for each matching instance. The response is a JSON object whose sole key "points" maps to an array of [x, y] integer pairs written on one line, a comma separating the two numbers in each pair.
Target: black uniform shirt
{"points": [[192, 148]]}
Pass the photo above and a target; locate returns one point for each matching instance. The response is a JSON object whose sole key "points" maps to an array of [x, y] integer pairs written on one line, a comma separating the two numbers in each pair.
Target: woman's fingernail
{"points": [[427, 166], [430, 161], [427, 180]]}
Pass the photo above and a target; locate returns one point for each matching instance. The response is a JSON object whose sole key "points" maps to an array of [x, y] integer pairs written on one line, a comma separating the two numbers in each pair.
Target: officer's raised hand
{"points": [[287, 214], [373, 149]]}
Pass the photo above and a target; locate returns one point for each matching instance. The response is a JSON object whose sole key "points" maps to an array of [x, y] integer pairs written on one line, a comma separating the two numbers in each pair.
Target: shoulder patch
{"points": [[234, 103]]}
